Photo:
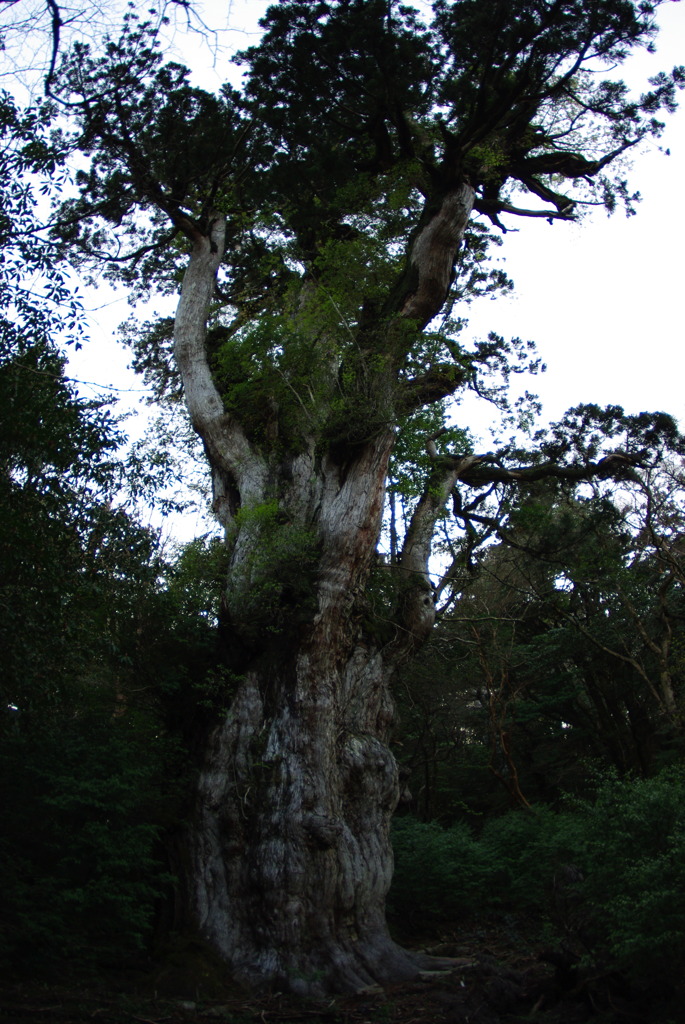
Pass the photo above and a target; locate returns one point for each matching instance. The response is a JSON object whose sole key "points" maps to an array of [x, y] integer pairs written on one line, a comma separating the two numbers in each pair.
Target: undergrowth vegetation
{"points": [[602, 878]]}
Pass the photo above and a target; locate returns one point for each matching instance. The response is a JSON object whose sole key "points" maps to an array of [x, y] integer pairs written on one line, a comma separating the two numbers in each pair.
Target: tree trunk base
{"points": [[366, 969], [290, 858]]}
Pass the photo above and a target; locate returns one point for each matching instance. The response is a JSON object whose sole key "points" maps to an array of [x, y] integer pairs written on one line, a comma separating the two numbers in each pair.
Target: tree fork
{"points": [[289, 850]]}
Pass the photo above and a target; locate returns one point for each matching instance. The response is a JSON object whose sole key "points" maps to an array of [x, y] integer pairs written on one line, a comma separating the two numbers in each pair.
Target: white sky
{"points": [[603, 299]]}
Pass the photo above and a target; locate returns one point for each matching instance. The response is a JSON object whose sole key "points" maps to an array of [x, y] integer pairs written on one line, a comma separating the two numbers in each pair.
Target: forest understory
{"points": [[497, 979], [502, 973]]}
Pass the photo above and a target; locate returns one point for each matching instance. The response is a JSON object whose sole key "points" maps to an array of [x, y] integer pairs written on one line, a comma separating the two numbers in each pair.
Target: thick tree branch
{"points": [[569, 165], [617, 465], [232, 458], [418, 613], [493, 209], [439, 382], [433, 249], [417, 610]]}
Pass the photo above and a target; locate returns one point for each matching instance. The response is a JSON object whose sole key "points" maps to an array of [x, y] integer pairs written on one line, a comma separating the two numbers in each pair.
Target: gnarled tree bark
{"points": [[289, 849]]}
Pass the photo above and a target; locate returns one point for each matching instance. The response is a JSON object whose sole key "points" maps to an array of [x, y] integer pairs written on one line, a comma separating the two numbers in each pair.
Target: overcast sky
{"points": [[602, 299]]}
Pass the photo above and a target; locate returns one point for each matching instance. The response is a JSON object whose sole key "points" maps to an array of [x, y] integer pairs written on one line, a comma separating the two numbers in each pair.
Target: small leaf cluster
{"points": [[273, 588]]}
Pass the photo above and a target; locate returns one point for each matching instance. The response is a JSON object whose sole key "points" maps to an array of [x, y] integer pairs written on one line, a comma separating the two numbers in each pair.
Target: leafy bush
{"points": [[633, 888], [528, 850], [604, 876], [440, 874], [83, 810]]}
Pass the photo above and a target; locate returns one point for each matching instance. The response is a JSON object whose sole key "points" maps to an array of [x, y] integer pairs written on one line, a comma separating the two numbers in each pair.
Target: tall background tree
{"points": [[78, 578], [333, 211], [560, 653]]}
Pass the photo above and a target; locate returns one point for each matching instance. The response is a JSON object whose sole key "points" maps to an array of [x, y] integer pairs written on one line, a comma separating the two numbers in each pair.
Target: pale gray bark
{"points": [[289, 852], [229, 453], [433, 253]]}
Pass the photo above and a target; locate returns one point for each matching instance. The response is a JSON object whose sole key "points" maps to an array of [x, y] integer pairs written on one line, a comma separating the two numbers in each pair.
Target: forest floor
{"points": [[495, 980]]}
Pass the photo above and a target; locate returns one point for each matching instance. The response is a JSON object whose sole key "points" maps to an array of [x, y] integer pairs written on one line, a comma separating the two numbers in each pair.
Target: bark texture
{"points": [[291, 858], [434, 251], [289, 850]]}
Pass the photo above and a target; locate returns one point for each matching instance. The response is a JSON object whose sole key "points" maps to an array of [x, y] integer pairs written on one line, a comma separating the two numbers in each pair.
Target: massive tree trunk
{"points": [[289, 849]]}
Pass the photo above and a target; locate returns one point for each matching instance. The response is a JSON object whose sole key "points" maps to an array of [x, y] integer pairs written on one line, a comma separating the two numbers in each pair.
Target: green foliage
{"points": [[267, 375], [451, 874], [527, 850], [632, 854], [88, 773], [314, 56], [82, 818], [195, 579], [36, 295], [356, 120], [82, 748], [440, 874], [74, 568], [356, 123], [604, 877], [410, 459], [58, 455], [562, 646], [89, 776], [586, 429], [274, 587]]}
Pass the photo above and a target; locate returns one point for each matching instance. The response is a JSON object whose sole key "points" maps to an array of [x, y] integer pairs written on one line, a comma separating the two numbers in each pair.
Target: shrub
{"points": [[606, 876], [633, 860], [528, 851], [440, 874], [83, 810]]}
